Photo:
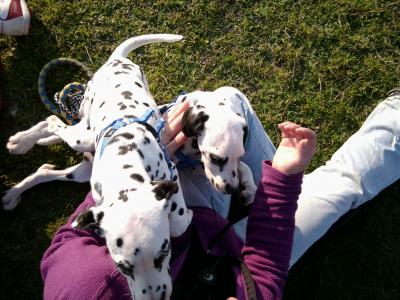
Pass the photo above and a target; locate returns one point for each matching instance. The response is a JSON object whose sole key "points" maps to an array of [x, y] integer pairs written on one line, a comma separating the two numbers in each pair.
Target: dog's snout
{"points": [[232, 190]]}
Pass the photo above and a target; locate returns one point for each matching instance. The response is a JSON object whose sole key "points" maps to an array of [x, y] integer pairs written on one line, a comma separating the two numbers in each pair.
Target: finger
{"points": [[178, 141], [175, 126], [177, 111], [288, 129], [306, 133]]}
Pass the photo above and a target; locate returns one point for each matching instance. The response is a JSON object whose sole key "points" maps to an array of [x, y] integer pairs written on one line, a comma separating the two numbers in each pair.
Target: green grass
{"points": [[324, 64]]}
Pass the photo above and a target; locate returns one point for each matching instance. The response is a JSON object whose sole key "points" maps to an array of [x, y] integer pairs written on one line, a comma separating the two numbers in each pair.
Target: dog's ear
{"points": [[193, 123], [88, 220], [164, 189]]}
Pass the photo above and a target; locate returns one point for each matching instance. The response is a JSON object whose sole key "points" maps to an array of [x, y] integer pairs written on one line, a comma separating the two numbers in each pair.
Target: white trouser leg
{"points": [[366, 164]]}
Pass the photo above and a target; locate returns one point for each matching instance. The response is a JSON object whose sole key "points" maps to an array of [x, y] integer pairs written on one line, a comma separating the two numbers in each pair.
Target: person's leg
{"points": [[367, 163]]}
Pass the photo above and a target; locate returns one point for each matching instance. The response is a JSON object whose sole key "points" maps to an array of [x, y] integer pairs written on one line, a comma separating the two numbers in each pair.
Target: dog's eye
{"points": [[216, 160]]}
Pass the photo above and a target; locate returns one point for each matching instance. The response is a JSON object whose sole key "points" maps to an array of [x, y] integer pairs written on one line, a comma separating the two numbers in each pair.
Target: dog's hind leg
{"points": [[22, 141], [79, 173], [79, 137]]}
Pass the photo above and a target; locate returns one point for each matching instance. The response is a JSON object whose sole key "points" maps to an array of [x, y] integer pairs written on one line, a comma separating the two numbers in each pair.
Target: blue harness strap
{"points": [[109, 130]]}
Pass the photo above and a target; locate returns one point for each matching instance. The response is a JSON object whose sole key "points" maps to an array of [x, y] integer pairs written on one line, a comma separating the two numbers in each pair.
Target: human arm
{"points": [[270, 226]]}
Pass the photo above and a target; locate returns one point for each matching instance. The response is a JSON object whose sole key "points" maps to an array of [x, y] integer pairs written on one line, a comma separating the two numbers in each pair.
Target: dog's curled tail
{"points": [[141, 40]]}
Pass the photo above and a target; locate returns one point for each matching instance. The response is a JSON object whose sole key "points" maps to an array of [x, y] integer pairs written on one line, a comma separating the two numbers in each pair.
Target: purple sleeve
{"points": [[270, 230], [77, 265]]}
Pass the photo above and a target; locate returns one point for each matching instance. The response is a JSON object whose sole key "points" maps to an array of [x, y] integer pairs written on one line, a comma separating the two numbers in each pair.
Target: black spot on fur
{"points": [[163, 295], [141, 153], [184, 99], [181, 211], [127, 94], [126, 268], [102, 103], [245, 132], [233, 174], [98, 188], [120, 242], [146, 140], [144, 291], [123, 106], [130, 116], [221, 103], [132, 106], [70, 176], [174, 178], [173, 206], [126, 166], [126, 148], [165, 189], [78, 141], [100, 216], [193, 123], [116, 62], [86, 220], [148, 168], [162, 254], [137, 250], [160, 155], [118, 85], [199, 106], [127, 67], [120, 72], [138, 84], [137, 102], [123, 195], [104, 118], [88, 128], [127, 135], [137, 177], [146, 104]]}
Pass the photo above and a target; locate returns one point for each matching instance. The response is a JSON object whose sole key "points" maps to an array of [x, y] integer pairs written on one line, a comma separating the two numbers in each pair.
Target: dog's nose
{"points": [[231, 190]]}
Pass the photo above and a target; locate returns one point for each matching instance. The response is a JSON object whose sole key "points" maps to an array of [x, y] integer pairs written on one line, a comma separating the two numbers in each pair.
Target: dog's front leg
{"points": [[79, 173], [247, 183]]}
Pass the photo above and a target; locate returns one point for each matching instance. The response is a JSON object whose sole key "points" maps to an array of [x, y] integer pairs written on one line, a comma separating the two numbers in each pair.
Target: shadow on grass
{"points": [[26, 232]]}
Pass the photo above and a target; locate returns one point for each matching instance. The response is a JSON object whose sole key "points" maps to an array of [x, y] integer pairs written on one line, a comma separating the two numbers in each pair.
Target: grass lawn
{"points": [[324, 64]]}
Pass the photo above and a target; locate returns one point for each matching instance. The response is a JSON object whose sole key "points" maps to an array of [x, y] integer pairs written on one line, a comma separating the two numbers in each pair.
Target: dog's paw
{"points": [[247, 185], [19, 143], [11, 199]]}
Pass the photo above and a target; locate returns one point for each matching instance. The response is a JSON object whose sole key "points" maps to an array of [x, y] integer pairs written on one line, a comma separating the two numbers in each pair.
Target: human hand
{"points": [[172, 136], [296, 149]]}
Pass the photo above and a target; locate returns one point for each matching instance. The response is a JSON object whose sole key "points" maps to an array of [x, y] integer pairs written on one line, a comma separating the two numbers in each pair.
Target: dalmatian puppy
{"points": [[217, 127], [139, 203]]}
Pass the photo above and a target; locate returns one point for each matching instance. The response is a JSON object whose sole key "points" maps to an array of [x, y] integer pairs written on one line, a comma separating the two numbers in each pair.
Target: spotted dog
{"points": [[139, 203], [217, 127]]}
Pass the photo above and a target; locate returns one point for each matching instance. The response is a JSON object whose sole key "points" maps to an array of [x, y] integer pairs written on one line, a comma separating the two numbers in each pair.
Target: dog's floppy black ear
{"points": [[86, 220], [164, 189], [193, 123]]}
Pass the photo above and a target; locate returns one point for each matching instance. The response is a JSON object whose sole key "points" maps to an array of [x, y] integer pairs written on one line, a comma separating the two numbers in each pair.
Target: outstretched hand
{"points": [[296, 149]]}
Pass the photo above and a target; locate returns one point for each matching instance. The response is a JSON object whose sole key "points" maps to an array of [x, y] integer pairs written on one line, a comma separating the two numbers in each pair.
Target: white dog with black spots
{"points": [[139, 203]]}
